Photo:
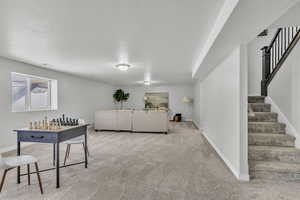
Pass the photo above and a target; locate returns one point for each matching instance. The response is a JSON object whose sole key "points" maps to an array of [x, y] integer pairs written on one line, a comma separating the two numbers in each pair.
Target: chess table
{"points": [[54, 137]]}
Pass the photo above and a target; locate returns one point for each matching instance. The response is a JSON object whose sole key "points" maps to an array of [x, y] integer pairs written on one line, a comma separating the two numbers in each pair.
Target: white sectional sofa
{"points": [[113, 120], [150, 121], [132, 120]]}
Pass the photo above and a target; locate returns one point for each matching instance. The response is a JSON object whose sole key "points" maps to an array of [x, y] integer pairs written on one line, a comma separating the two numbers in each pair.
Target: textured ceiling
{"points": [[160, 39]]}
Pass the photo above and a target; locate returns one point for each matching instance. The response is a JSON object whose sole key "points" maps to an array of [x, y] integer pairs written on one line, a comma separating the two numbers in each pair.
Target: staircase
{"points": [[272, 153]]}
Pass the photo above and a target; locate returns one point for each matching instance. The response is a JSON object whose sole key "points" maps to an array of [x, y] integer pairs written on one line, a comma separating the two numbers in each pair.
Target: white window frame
{"points": [[52, 90]]}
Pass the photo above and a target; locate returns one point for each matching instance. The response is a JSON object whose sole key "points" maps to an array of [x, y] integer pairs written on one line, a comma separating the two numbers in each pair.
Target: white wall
{"points": [[221, 111], [77, 97], [176, 93], [255, 61], [197, 103], [284, 92]]}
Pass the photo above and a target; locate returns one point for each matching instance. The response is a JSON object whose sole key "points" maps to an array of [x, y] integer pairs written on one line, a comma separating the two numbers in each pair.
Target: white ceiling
{"points": [[290, 18], [161, 39]]}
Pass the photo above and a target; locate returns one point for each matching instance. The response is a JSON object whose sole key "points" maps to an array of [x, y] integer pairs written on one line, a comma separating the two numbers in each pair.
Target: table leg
{"points": [[85, 150], [57, 166], [19, 168], [53, 154]]}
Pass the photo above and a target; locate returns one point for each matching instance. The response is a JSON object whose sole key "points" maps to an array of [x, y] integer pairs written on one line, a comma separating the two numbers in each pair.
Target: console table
{"points": [[54, 137]]}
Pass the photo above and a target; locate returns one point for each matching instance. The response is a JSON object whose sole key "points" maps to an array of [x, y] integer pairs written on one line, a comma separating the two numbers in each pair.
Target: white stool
{"points": [[9, 163], [77, 140]]}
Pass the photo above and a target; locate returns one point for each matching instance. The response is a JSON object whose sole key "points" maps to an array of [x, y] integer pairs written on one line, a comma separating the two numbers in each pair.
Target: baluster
{"points": [[271, 57], [289, 35], [292, 33], [281, 45], [285, 39], [277, 51], [274, 58], [275, 47]]}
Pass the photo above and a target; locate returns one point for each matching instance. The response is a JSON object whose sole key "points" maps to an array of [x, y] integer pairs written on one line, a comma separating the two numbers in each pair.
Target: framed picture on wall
{"points": [[157, 100]]}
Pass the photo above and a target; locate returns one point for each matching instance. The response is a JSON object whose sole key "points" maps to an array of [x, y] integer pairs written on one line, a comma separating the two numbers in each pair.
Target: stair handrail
{"points": [[274, 55], [274, 39]]}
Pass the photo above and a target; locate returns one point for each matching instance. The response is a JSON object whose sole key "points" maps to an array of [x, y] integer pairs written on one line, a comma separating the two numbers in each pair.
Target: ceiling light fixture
{"points": [[147, 82], [123, 67]]}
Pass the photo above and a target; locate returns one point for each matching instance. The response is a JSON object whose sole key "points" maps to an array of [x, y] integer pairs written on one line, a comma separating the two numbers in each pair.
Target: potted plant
{"points": [[120, 96]]}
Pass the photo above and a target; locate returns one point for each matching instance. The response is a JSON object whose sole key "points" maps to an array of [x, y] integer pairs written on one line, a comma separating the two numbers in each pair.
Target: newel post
{"points": [[266, 69]]}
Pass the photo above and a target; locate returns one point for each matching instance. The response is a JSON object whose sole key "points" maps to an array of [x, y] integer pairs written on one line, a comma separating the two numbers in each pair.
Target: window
{"points": [[32, 93]]}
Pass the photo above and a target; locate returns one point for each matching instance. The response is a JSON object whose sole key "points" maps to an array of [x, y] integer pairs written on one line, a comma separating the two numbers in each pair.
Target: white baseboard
{"points": [[236, 173], [290, 129], [195, 124], [244, 177]]}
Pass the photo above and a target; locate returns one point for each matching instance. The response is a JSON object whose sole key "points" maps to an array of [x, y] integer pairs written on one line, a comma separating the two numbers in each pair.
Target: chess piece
{"points": [[50, 125], [35, 125], [46, 125], [56, 126], [30, 125], [63, 121]]}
